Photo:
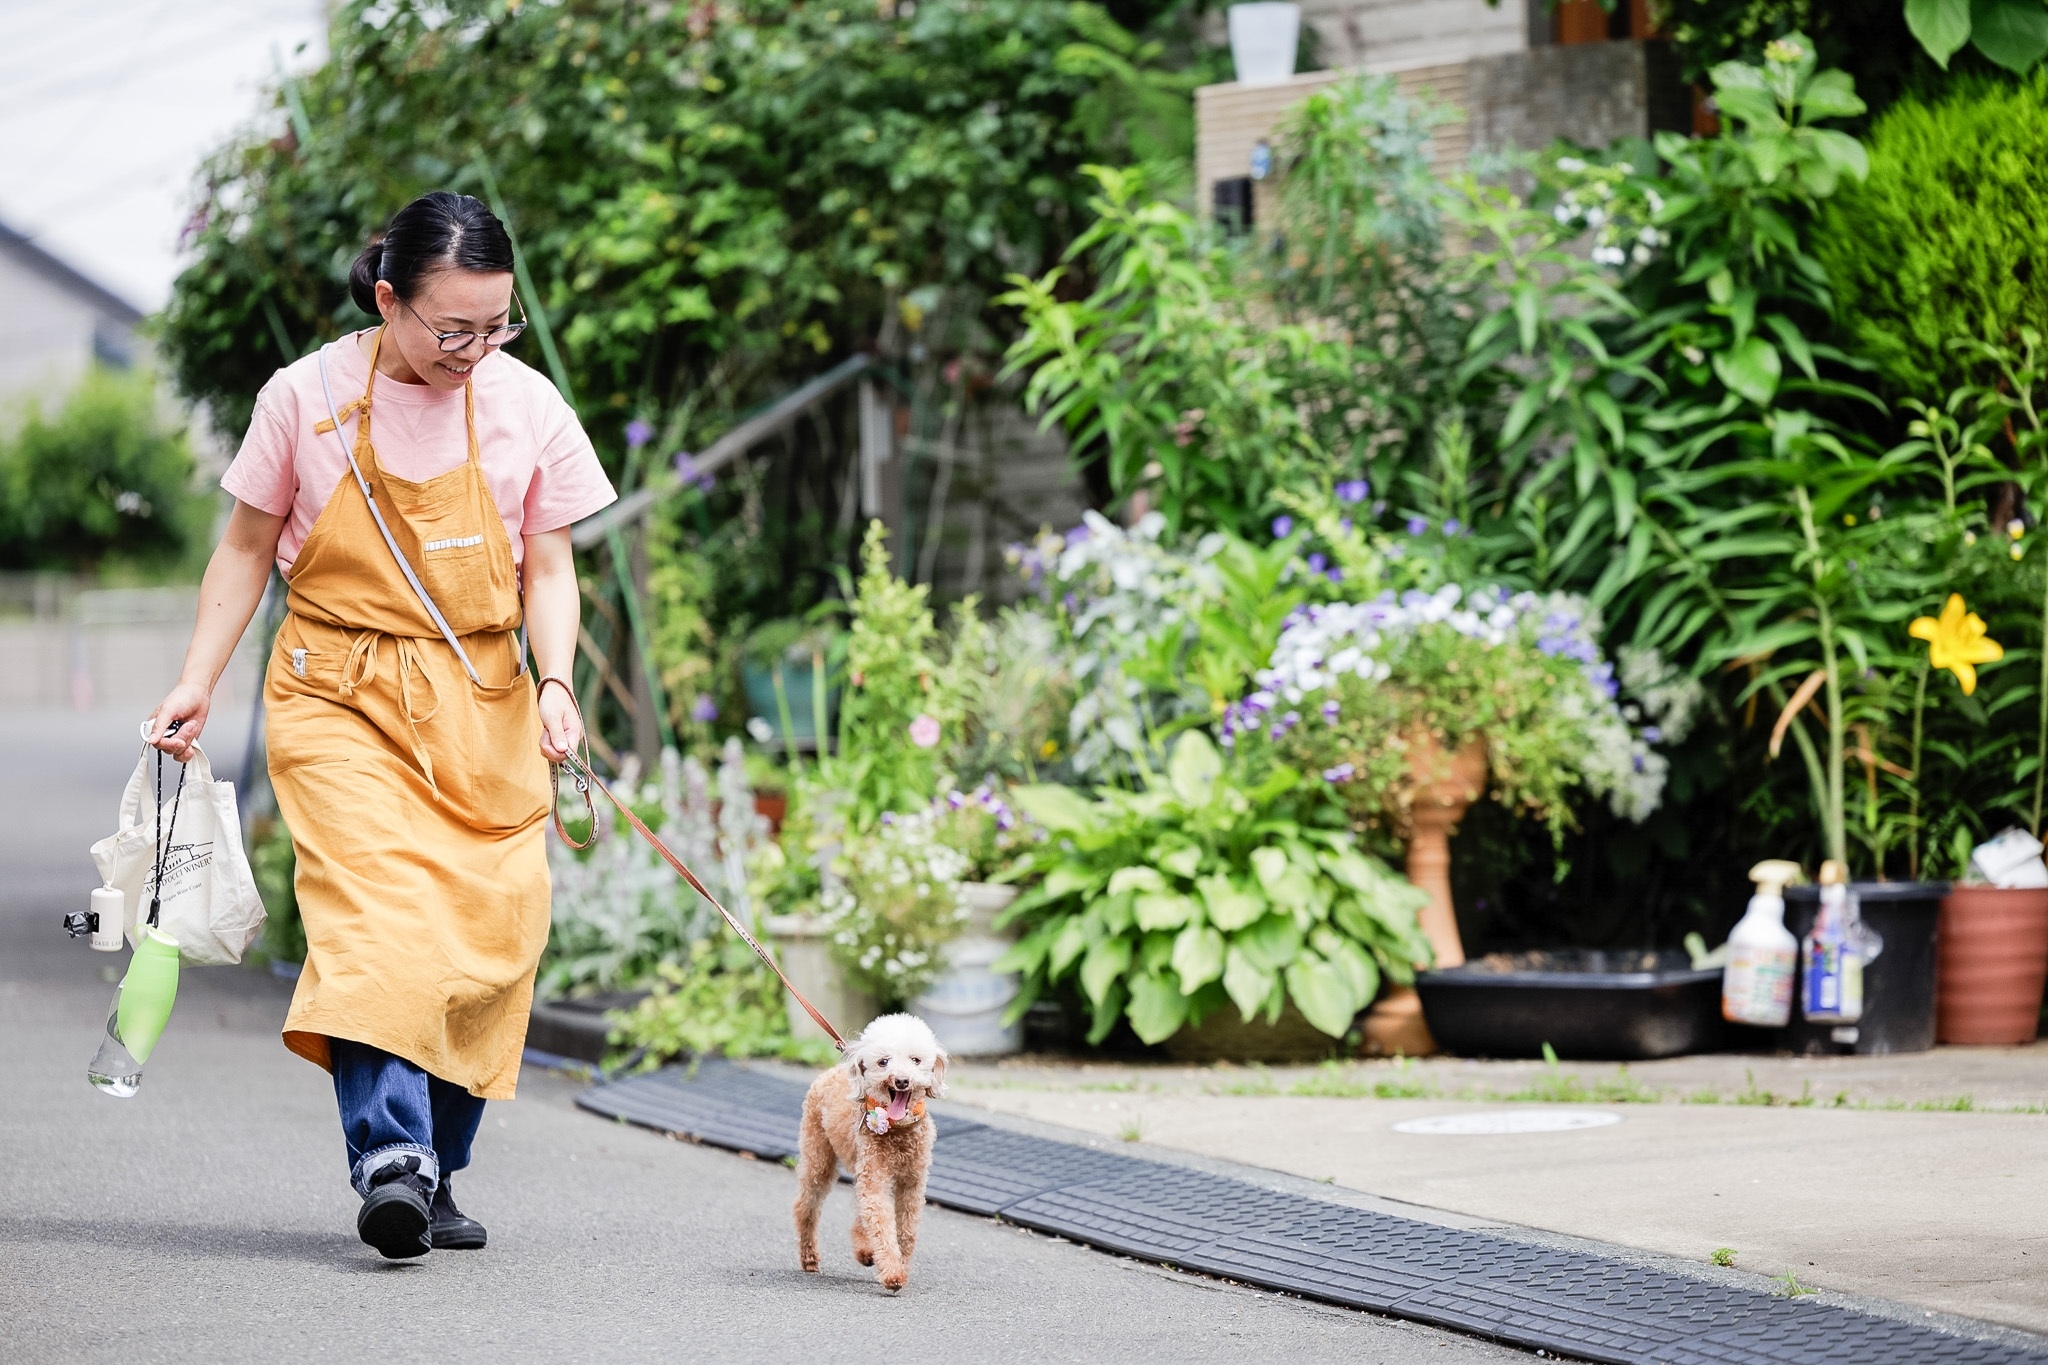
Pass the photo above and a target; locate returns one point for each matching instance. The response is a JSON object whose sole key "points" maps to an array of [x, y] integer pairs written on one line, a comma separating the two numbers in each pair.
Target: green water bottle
{"points": [[141, 1008]]}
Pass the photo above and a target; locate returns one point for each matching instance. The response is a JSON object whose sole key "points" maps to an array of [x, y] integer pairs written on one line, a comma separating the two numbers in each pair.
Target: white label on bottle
{"points": [[1756, 989]]}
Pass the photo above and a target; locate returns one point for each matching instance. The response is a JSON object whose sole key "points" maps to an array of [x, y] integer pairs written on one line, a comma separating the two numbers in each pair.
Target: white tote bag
{"points": [[209, 902]]}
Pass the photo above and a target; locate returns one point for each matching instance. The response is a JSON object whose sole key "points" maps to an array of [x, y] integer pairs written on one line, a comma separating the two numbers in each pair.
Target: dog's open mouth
{"points": [[899, 1105]]}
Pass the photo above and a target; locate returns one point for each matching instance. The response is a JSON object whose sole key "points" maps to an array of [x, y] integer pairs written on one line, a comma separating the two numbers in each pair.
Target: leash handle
{"points": [[586, 778]]}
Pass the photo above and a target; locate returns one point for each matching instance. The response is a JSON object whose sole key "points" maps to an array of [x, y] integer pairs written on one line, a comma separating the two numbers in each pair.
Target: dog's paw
{"points": [[893, 1280], [864, 1256], [809, 1261]]}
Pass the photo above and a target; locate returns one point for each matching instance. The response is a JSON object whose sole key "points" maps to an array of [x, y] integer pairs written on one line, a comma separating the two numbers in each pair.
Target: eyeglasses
{"points": [[501, 335]]}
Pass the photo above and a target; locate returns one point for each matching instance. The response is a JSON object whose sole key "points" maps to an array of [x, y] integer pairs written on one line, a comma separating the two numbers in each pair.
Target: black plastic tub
{"points": [[1586, 1003], [1898, 988]]}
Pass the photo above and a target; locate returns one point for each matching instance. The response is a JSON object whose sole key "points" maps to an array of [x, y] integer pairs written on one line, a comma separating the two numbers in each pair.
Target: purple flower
{"points": [[1077, 534], [1341, 773], [1317, 563], [1356, 490], [1652, 735], [1331, 711], [1283, 527], [888, 817], [704, 710], [1417, 526], [1335, 575], [1345, 526], [955, 801], [686, 466], [1452, 527], [639, 432]]}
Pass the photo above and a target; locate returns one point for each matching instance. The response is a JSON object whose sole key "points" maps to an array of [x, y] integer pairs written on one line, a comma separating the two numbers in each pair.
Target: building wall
{"points": [[46, 332]]}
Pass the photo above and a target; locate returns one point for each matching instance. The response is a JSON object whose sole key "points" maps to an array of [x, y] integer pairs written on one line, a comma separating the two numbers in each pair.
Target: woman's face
{"points": [[447, 301]]}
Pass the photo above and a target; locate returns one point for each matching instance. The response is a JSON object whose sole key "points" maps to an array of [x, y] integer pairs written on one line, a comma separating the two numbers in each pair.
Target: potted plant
{"points": [[1208, 893], [968, 1001], [1410, 706], [777, 664]]}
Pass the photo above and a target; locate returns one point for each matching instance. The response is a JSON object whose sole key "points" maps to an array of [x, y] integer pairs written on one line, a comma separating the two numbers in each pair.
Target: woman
{"points": [[406, 746]]}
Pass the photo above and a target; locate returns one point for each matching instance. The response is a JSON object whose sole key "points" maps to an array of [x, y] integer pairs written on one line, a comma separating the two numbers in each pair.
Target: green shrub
{"points": [[101, 478], [1948, 237]]}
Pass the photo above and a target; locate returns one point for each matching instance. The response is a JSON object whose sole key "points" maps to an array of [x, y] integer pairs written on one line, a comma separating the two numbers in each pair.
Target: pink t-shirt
{"points": [[540, 466]]}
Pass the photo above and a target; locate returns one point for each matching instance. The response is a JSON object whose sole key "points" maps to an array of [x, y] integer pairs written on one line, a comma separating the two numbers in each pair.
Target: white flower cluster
{"points": [[1321, 645], [1119, 586], [894, 900], [1596, 201]]}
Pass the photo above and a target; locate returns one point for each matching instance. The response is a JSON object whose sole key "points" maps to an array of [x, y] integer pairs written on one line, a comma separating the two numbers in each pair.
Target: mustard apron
{"points": [[415, 796]]}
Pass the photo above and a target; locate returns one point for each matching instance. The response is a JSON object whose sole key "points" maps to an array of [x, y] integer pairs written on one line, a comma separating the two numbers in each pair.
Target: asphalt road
{"points": [[210, 1218]]}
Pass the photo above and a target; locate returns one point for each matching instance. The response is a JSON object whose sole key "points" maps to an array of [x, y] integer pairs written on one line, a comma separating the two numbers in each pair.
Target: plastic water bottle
{"points": [[136, 1019], [1832, 966]]}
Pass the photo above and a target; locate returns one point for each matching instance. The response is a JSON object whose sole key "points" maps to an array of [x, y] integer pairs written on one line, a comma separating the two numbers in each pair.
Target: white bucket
{"points": [[1263, 38], [965, 1005]]}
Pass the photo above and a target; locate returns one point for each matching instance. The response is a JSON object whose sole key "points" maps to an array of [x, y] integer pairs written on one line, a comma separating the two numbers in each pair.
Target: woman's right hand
{"points": [[186, 706]]}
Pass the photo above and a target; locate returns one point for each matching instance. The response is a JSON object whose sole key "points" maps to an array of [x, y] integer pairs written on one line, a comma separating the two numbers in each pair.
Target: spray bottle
{"points": [[141, 1008], [1763, 956], [1831, 974]]}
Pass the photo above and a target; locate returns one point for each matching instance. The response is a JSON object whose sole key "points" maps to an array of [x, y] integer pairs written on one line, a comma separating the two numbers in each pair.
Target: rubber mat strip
{"points": [[1563, 1301]]}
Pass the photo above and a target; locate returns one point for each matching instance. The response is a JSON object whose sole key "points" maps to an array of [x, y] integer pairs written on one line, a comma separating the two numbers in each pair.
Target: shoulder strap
{"points": [[418, 588]]}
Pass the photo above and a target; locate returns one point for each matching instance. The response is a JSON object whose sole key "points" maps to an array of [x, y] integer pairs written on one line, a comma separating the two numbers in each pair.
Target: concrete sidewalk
{"points": [[1931, 1207]]}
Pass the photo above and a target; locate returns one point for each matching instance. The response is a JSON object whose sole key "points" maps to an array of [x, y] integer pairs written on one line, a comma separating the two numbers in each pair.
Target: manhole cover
{"points": [[1509, 1121]]}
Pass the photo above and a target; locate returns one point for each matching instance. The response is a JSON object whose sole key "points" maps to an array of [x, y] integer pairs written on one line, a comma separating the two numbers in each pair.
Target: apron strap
{"points": [[419, 589], [586, 778]]}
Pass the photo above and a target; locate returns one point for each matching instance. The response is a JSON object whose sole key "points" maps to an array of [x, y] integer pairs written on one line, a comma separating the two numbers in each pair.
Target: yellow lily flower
{"points": [[1956, 641]]}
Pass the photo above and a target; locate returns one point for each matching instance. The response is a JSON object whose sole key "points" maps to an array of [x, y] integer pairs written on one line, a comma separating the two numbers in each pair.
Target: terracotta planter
{"points": [[1992, 958], [1441, 788]]}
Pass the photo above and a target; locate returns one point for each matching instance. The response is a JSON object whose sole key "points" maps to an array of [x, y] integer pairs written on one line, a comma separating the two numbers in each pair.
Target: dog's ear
{"points": [[939, 1072], [857, 1071]]}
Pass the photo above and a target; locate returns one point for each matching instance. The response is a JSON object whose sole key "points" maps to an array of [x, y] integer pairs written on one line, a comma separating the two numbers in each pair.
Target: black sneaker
{"points": [[394, 1217], [451, 1231]]}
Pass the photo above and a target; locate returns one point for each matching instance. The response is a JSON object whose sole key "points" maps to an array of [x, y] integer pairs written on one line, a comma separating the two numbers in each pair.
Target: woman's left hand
{"points": [[561, 729]]}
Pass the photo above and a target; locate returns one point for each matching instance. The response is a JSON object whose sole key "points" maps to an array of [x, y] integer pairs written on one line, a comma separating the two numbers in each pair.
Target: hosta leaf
{"points": [[1181, 862], [1068, 944], [1272, 942], [1193, 769], [1163, 910], [1230, 905], [1197, 957], [1105, 963], [1247, 983], [1322, 995], [1061, 810], [1140, 878], [1283, 881], [1157, 1008], [1355, 964]]}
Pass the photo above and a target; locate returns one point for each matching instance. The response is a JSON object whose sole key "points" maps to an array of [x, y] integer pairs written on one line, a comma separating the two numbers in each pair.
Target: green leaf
{"points": [[2012, 33], [1157, 1008], [1322, 995], [1832, 94], [1062, 810], [1356, 965], [1181, 862], [1169, 910], [1230, 905], [1751, 369], [1066, 879], [1139, 878], [1528, 305], [1284, 882], [1193, 769], [1247, 983], [1106, 962], [1942, 26], [1067, 945], [1198, 957], [1272, 942]]}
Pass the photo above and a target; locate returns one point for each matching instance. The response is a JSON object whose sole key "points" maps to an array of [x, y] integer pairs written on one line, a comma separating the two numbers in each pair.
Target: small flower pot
{"points": [[1263, 39], [1991, 962], [802, 945], [966, 1004]]}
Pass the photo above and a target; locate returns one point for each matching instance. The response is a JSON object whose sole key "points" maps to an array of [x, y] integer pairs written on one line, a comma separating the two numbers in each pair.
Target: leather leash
{"points": [[585, 778]]}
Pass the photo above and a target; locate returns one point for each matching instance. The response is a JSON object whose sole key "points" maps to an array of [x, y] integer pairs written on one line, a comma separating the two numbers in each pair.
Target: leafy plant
{"points": [[101, 479], [718, 999], [1204, 889], [273, 862], [893, 903], [2012, 33], [1943, 238]]}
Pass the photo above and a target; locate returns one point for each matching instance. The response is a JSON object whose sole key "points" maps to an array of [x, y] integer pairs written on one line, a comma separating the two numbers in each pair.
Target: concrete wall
{"points": [[120, 648]]}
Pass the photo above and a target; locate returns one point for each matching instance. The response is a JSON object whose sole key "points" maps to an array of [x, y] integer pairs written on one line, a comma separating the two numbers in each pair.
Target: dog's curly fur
{"points": [[896, 1054]]}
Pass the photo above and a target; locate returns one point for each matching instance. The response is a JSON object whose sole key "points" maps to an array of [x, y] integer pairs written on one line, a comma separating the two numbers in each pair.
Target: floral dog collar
{"points": [[879, 1122]]}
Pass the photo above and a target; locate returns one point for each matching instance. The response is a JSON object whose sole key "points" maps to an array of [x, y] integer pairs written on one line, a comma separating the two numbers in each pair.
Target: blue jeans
{"points": [[391, 1110]]}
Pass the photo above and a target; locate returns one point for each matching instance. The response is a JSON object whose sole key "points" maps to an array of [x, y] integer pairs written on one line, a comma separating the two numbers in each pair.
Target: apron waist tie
{"points": [[360, 670]]}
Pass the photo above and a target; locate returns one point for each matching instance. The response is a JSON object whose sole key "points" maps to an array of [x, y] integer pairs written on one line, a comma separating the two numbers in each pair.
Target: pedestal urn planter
{"points": [[1991, 959], [1442, 787], [966, 1004], [803, 948]]}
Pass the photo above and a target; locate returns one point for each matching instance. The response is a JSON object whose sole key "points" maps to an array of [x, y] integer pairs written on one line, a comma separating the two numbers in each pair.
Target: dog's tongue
{"points": [[899, 1105]]}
